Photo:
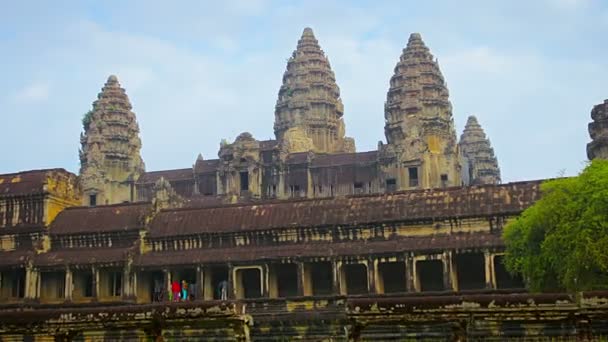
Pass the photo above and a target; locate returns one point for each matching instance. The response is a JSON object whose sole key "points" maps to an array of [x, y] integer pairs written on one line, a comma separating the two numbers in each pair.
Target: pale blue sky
{"points": [[200, 71]]}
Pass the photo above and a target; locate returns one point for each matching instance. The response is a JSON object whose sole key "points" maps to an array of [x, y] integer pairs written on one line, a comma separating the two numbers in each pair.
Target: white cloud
{"points": [[33, 92]]}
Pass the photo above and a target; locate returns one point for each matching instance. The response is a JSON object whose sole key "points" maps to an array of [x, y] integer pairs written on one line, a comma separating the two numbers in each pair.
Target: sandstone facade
{"points": [[480, 165], [598, 130]]}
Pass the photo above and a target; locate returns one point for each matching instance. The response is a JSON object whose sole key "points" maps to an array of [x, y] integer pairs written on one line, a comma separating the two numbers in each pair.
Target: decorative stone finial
{"points": [[480, 165], [415, 36], [112, 79], [308, 32]]}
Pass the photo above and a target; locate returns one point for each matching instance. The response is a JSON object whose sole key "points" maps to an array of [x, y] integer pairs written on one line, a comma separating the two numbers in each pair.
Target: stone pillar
{"points": [[95, 274], [265, 280], [300, 275], [126, 284], [372, 272], [231, 286], [336, 283], [69, 285], [409, 274], [31, 283], [167, 281], [200, 282], [489, 270], [450, 280]]}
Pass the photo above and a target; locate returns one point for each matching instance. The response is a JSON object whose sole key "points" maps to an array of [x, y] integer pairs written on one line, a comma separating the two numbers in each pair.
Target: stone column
{"points": [[300, 275], [200, 283], [450, 280], [409, 273], [372, 272], [231, 286], [31, 283], [167, 281], [68, 285], [336, 283], [489, 270], [266, 280], [95, 274], [126, 291]]}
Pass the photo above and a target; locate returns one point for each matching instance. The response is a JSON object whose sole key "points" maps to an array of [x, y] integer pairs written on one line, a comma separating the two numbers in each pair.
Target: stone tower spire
{"points": [[418, 117], [479, 164], [110, 158], [598, 130], [309, 104]]}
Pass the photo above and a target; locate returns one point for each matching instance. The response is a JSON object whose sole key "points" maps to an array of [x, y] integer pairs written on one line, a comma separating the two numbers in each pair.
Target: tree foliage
{"points": [[561, 242]]}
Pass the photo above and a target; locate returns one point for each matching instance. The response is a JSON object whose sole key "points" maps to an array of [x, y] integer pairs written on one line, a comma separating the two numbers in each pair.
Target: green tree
{"points": [[561, 242]]}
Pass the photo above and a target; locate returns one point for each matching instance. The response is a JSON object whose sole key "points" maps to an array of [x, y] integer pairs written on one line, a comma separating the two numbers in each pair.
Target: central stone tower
{"points": [[419, 126], [309, 104], [110, 160]]}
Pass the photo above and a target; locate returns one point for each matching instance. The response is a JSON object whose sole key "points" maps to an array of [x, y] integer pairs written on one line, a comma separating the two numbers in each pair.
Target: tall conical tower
{"points": [[418, 116], [479, 164], [110, 158], [598, 130], [309, 104]]}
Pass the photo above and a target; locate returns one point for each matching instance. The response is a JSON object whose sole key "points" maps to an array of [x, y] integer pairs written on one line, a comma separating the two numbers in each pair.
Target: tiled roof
{"points": [[474, 201], [107, 218], [170, 175], [26, 182]]}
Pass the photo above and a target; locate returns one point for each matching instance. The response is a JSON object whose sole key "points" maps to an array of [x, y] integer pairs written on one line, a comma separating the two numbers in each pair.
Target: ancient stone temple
{"points": [[419, 125], [110, 162], [298, 238], [598, 130], [309, 103], [479, 164]]}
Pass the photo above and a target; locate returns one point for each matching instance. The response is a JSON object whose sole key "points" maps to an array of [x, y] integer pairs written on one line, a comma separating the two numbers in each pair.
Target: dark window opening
{"points": [[295, 190], [156, 284], [430, 275], [392, 277], [413, 176], [355, 276], [470, 269], [219, 281], [244, 181], [83, 284], [52, 285], [287, 280], [115, 284], [12, 284], [358, 187], [504, 279], [322, 278], [444, 180], [391, 185], [92, 200], [250, 283]]}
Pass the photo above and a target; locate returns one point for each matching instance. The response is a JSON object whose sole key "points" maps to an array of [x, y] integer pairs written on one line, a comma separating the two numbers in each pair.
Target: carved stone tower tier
{"points": [[418, 120], [110, 158], [309, 100], [598, 130], [479, 164]]}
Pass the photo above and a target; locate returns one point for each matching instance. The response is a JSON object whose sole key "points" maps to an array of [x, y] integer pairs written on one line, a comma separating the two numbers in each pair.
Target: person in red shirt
{"points": [[176, 289]]}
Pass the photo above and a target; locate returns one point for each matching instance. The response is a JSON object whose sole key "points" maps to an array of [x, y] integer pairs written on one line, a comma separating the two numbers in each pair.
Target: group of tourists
{"points": [[184, 291], [179, 292]]}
